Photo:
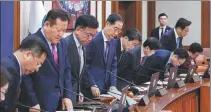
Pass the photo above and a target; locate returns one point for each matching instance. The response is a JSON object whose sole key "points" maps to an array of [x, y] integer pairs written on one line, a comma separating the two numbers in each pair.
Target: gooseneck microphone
{"points": [[22, 105], [57, 86], [126, 81]]}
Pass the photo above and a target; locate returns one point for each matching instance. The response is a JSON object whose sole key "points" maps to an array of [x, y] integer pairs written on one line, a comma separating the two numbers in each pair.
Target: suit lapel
{"points": [[74, 50], [50, 55], [60, 54], [167, 29], [174, 39], [157, 32]]}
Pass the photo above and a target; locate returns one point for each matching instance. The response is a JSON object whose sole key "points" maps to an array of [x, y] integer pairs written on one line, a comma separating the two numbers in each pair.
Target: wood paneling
{"points": [[205, 98], [114, 6], [151, 9], [205, 24], [16, 25], [131, 12], [178, 100], [139, 15], [103, 13]]}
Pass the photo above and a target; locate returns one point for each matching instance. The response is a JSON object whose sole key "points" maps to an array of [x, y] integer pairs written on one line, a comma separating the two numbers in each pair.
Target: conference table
{"points": [[194, 97]]}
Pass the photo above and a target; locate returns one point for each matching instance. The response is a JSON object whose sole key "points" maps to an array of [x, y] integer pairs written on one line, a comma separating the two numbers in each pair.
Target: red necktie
{"points": [[55, 55]]}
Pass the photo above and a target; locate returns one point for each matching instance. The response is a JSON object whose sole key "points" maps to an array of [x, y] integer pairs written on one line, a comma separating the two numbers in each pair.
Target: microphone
{"points": [[135, 91], [160, 91], [143, 101], [57, 86], [22, 105]]}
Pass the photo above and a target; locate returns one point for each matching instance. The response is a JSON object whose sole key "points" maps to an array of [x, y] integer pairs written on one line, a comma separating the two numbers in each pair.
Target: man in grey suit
{"points": [[85, 29]]}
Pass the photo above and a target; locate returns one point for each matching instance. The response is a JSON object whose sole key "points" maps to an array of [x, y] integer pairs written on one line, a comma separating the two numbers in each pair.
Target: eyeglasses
{"points": [[180, 62], [90, 35], [38, 64], [117, 30], [4, 92]]}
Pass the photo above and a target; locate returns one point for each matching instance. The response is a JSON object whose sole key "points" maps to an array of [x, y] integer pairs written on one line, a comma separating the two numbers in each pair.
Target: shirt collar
{"points": [[49, 43], [176, 35], [169, 61], [18, 64], [104, 37], [121, 44], [163, 27], [76, 41]]}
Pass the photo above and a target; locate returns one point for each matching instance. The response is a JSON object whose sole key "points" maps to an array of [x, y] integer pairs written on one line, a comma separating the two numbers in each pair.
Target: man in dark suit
{"points": [[101, 56], [27, 59], [194, 50], [159, 62], [131, 38], [128, 55], [48, 88], [173, 38], [163, 28], [85, 29]]}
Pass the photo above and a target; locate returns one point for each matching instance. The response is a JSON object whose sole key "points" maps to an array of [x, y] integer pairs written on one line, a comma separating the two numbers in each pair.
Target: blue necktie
{"points": [[178, 40], [107, 49], [20, 79]]}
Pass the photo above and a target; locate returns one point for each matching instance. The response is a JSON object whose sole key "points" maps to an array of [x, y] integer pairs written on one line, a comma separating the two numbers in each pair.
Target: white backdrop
{"points": [[190, 10]]}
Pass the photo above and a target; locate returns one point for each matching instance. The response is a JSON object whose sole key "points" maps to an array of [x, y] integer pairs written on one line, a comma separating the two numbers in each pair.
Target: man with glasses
{"points": [[161, 60], [85, 30], [47, 88], [128, 55], [26, 60], [194, 50], [173, 38], [101, 57]]}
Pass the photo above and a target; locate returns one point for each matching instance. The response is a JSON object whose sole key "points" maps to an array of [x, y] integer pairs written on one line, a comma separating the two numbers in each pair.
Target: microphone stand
{"points": [[144, 100]]}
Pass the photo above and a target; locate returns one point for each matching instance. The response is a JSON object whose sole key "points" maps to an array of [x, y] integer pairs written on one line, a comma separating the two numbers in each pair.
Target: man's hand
{"points": [[36, 107], [113, 88], [67, 104], [95, 91]]}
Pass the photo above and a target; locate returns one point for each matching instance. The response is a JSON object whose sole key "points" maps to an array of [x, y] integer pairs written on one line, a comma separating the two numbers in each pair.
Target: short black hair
{"points": [[86, 21], [56, 13], [112, 18], [181, 53], [182, 23], [35, 45], [162, 14], [4, 77], [195, 47], [133, 34], [153, 43]]}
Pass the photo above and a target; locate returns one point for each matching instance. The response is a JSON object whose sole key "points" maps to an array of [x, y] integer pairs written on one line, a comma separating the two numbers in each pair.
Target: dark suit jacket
{"points": [[168, 41], [153, 63], [126, 67], [155, 32], [118, 49], [97, 66], [45, 86], [78, 80], [11, 64]]}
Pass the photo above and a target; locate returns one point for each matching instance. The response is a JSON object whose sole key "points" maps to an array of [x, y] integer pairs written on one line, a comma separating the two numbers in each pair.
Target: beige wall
{"points": [[187, 9]]}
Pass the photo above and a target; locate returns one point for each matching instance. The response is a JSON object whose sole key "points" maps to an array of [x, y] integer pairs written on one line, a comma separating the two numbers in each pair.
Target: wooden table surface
{"points": [[159, 103]]}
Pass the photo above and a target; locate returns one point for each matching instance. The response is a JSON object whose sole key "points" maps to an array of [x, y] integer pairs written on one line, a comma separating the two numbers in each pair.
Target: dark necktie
{"points": [[55, 54], [107, 49], [161, 32], [143, 60]]}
